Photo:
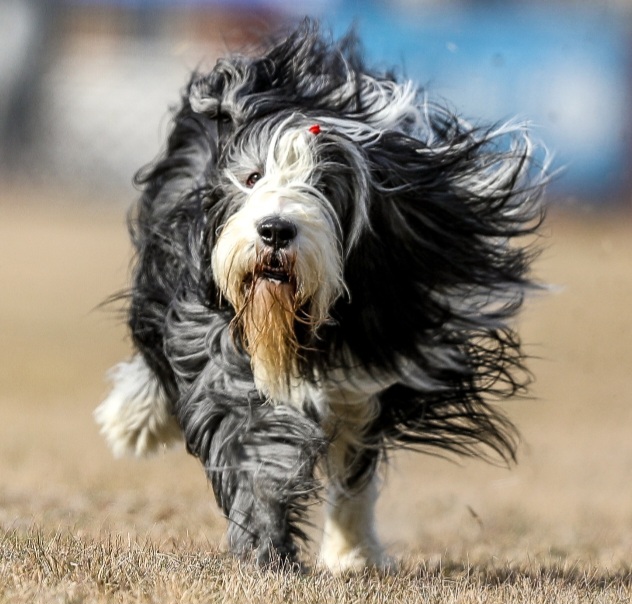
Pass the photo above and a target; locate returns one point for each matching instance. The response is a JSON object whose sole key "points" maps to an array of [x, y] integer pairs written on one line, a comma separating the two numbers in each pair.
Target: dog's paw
{"points": [[356, 559], [281, 561], [135, 418]]}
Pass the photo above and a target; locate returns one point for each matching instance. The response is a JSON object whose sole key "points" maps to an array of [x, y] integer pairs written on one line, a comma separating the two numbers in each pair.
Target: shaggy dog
{"points": [[326, 267]]}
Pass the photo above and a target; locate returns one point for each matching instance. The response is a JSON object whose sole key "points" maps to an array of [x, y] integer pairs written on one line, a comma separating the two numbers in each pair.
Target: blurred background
{"points": [[85, 92], [85, 84]]}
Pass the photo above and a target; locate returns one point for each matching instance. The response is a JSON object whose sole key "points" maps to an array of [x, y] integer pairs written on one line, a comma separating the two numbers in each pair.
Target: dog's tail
{"points": [[136, 417]]}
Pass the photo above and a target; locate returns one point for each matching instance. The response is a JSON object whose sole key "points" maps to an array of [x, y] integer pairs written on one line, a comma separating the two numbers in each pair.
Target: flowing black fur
{"points": [[432, 252]]}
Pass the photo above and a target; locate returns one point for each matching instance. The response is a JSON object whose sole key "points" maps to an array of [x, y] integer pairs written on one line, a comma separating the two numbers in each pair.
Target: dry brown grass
{"points": [[65, 568], [78, 526]]}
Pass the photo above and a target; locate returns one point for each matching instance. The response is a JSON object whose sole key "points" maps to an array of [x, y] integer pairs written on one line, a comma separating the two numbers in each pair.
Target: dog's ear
{"points": [[454, 208], [168, 224]]}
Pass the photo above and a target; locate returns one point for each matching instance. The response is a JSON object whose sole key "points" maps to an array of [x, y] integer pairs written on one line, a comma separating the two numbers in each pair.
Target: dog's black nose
{"points": [[276, 232]]}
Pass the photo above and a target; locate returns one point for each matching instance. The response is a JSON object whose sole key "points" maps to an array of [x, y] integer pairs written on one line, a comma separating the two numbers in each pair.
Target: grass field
{"points": [[78, 526]]}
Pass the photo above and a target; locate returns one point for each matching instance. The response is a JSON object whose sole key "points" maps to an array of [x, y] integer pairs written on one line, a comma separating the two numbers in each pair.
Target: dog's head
{"points": [[346, 214], [291, 188], [290, 213]]}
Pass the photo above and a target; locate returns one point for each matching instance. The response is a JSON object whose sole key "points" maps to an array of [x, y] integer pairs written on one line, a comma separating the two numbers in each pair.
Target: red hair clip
{"points": [[315, 129]]}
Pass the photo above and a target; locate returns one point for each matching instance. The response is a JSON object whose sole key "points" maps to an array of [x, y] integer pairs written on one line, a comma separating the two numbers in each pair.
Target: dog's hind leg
{"points": [[136, 418]]}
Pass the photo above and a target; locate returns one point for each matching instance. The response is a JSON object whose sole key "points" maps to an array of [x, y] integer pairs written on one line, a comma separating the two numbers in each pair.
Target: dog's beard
{"points": [[277, 315], [267, 313]]}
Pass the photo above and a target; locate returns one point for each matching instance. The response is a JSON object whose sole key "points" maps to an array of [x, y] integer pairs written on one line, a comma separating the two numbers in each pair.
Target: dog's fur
{"points": [[326, 266]]}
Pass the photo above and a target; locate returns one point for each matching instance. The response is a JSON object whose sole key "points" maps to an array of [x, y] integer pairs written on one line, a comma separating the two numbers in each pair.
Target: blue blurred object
{"points": [[563, 69], [280, 5], [560, 66]]}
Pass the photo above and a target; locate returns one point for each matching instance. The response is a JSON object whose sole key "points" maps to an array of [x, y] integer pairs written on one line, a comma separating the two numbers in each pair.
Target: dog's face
{"points": [[292, 189]]}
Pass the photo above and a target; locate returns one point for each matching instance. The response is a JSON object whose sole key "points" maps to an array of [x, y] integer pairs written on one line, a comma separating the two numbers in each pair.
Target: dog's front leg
{"points": [[350, 542], [349, 539], [260, 460]]}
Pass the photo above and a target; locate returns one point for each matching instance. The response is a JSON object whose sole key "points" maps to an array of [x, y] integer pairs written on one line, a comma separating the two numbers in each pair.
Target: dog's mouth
{"points": [[275, 274], [274, 268]]}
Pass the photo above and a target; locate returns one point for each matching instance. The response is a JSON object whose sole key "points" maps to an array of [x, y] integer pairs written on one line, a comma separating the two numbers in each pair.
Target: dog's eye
{"points": [[251, 181]]}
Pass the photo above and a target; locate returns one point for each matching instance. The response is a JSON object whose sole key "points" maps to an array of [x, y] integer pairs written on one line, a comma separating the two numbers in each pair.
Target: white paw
{"points": [[356, 559]]}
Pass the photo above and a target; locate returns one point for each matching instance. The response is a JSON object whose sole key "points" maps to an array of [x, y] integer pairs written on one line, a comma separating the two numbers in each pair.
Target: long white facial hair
{"points": [[276, 318]]}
